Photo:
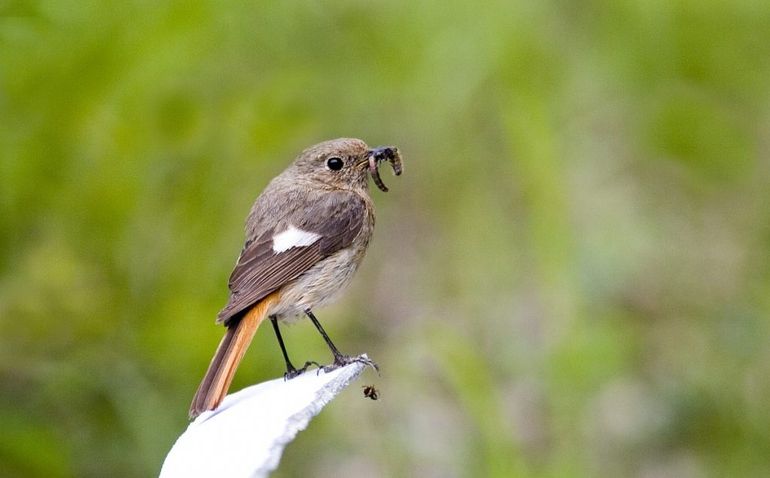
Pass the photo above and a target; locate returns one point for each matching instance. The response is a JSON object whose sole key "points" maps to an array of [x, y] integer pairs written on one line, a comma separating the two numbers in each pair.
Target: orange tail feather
{"points": [[221, 371]]}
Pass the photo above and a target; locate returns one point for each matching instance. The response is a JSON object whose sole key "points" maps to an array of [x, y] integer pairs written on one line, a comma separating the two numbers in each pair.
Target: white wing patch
{"points": [[293, 237]]}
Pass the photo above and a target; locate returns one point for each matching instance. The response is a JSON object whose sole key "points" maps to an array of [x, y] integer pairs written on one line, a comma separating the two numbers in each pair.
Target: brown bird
{"points": [[305, 237]]}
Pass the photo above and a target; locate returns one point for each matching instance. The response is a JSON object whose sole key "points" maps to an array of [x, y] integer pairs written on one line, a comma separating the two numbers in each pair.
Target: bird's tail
{"points": [[216, 382]]}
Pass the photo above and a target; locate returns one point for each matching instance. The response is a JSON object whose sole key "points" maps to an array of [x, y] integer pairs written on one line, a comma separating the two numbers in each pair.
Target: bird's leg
{"points": [[340, 359], [291, 371]]}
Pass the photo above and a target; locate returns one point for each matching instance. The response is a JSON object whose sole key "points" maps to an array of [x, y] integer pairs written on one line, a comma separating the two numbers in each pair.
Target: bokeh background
{"points": [[571, 279]]}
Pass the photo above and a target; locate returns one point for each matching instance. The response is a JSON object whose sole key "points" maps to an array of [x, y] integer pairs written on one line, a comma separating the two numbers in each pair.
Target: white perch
{"points": [[246, 435]]}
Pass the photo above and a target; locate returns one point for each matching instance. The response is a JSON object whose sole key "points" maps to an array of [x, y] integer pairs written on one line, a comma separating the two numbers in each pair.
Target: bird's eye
{"points": [[334, 163]]}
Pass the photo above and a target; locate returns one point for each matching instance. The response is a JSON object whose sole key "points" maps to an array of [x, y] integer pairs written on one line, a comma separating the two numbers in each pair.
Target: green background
{"points": [[571, 278]]}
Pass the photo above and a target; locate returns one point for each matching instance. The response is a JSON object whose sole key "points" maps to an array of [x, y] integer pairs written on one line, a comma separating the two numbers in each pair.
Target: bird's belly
{"points": [[319, 286]]}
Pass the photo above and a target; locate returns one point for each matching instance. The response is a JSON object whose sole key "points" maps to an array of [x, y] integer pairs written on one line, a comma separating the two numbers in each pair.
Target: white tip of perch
{"points": [[246, 435]]}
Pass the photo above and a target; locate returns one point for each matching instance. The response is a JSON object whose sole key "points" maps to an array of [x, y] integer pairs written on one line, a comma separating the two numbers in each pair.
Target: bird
{"points": [[306, 236]]}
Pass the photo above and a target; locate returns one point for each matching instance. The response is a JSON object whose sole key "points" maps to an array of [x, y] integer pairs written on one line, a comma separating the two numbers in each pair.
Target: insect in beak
{"points": [[384, 153]]}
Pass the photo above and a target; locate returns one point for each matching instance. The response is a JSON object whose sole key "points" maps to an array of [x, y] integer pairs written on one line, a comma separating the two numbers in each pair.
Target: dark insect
{"points": [[371, 392], [378, 155]]}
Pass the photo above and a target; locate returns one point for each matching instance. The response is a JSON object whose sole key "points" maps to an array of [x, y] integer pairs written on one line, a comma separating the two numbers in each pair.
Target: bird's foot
{"points": [[341, 360], [292, 372]]}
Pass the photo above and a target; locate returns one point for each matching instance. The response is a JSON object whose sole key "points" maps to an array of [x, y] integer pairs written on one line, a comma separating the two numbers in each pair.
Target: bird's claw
{"points": [[343, 360], [294, 372]]}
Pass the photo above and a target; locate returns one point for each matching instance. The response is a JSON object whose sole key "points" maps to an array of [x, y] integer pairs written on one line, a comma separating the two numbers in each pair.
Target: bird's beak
{"points": [[378, 154]]}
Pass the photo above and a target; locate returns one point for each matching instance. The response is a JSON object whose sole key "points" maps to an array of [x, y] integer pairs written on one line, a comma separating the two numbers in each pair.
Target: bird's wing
{"points": [[326, 225]]}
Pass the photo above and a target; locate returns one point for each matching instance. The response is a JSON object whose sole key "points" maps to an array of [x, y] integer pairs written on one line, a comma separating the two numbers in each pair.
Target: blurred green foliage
{"points": [[571, 279]]}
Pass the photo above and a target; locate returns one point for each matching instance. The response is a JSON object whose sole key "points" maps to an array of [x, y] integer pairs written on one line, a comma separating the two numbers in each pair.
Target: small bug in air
{"points": [[371, 392]]}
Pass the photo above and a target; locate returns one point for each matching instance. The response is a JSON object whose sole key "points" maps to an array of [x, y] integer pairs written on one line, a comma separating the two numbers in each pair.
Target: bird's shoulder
{"points": [[281, 206]]}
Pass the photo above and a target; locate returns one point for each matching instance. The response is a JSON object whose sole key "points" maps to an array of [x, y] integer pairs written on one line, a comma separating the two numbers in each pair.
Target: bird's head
{"points": [[345, 163]]}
